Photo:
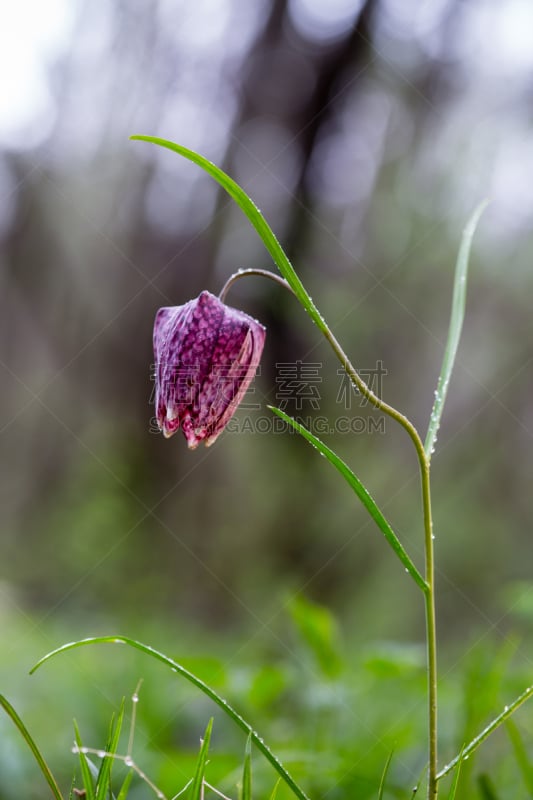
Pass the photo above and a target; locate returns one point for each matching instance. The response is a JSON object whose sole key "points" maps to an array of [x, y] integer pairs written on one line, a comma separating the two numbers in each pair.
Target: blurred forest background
{"points": [[366, 131]]}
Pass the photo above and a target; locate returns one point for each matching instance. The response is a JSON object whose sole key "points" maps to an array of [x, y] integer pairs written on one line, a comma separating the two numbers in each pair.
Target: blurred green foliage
{"points": [[353, 160], [334, 732]]}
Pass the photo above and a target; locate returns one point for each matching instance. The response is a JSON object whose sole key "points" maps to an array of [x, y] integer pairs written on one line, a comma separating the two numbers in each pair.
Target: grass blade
{"points": [[104, 775], [275, 790], [84, 766], [456, 777], [10, 711], [384, 776], [362, 493], [417, 785], [124, 789], [246, 793], [254, 215], [454, 331], [486, 732], [220, 702], [196, 790]]}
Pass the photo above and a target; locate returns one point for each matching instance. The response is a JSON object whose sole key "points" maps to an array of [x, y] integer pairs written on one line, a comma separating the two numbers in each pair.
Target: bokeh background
{"points": [[366, 132]]}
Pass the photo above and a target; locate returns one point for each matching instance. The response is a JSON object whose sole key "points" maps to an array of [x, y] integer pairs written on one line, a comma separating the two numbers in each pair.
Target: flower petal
{"points": [[206, 356]]}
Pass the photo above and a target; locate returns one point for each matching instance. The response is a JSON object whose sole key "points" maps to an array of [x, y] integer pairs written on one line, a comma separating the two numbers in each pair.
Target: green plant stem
{"points": [[431, 631], [429, 591], [429, 588], [424, 466], [244, 273]]}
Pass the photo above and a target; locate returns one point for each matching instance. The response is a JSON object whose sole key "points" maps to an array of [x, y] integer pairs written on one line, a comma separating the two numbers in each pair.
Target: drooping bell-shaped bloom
{"points": [[206, 355]]}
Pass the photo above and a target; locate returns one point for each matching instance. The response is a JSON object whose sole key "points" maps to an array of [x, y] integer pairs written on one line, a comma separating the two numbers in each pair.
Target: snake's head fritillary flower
{"points": [[206, 355]]}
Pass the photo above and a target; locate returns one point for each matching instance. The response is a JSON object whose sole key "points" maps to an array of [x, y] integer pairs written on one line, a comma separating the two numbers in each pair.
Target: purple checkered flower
{"points": [[206, 355]]}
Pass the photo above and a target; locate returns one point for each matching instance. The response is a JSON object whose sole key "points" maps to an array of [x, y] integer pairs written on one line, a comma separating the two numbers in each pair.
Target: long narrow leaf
{"points": [[104, 775], [486, 732], [175, 667], [254, 215], [456, 777], [10, 711], [84, 766], [246, 793], [275, 790], [417, 785], [124, 789], [196, 790], [384, 776], [362, 493], [454, 331]]}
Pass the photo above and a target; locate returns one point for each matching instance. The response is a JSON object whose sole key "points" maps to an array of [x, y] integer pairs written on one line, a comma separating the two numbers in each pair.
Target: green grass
{"points": [[335, 732]]}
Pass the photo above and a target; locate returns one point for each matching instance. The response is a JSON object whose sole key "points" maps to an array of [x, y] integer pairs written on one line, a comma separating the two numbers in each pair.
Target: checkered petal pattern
{"points": [[206, 355]]}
